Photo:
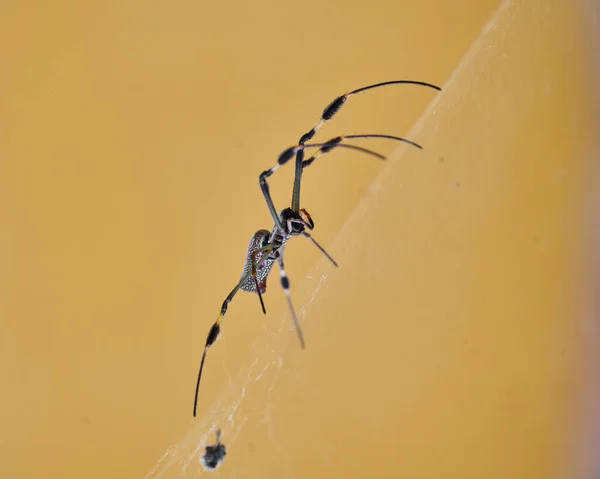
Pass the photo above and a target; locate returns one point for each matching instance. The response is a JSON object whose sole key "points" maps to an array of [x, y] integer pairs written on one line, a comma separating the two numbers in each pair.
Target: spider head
{"points": [[294, 223]]}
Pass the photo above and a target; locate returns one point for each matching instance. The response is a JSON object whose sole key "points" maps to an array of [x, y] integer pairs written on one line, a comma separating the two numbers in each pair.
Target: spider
{"points": [[267, 247]]}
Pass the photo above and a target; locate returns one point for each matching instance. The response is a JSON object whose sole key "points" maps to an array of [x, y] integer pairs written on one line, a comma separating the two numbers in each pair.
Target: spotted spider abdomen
{"points": [[259, 239]]}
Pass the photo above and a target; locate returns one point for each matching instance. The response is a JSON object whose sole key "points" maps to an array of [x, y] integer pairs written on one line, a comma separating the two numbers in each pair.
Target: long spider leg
{"points": [[264, 187], [213, 334], [262, 303], [327, 115], [322, 151], [387, 137], [287, 155], [306, 235], [266, 250], [285, 284]]}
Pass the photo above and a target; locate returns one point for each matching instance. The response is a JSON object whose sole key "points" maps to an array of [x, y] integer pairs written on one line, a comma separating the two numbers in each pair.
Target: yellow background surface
{"points": [[448, 342]]}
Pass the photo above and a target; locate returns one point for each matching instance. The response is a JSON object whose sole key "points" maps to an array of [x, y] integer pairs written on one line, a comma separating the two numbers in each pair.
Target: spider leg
{"points": [[327, 115], [287, 154], [285, 284], [321, 249], [264, 187], [266, 250], [323, 150], [213, 334]]}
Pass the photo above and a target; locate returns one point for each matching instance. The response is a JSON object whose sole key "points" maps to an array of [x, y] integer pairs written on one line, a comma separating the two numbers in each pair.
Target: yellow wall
{"points": [[447, 344]]}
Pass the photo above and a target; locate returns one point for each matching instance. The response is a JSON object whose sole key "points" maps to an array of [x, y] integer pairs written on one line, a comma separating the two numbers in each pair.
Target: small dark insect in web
{"points": [[214, 455], [267, 247]]}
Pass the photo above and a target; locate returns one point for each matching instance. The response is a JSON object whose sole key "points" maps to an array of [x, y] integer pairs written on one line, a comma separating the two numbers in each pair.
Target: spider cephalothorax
{"points": [[294, 223], [267, 247]]}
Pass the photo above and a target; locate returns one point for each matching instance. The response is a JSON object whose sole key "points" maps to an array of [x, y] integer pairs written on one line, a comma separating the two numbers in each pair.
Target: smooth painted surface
{"points": [[446, 344]]}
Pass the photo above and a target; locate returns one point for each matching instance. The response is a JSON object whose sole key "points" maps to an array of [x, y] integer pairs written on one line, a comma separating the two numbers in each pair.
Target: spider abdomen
{"points": [[259, 239]]}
